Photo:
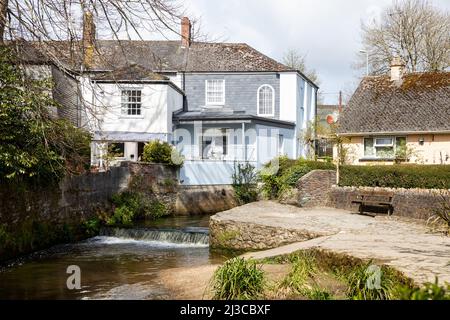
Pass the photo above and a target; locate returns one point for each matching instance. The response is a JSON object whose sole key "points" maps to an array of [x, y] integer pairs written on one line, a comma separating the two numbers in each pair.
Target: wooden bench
{"points": [[374, 200]]}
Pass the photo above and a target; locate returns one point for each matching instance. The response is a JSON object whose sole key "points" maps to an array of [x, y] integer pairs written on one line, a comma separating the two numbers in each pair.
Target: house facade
{"points": [[404, 117], [218, 103]]}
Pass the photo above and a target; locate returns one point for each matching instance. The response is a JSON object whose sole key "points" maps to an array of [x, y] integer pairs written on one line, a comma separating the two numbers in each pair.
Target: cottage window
{"points": [[214, 144], [215, 92], [116, 149], [266, 100], [383, 147], [131, 102]]}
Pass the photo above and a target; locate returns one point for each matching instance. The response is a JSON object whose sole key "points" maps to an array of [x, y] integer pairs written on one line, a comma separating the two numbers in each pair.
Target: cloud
{"points": [[327, 31]]}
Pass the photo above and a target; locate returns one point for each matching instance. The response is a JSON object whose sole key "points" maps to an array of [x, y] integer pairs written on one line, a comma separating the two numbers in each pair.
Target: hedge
{"points": [[406, 176]]}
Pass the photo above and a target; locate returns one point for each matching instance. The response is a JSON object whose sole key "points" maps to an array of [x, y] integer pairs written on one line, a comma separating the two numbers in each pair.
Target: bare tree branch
{"points": [[412, 29]]}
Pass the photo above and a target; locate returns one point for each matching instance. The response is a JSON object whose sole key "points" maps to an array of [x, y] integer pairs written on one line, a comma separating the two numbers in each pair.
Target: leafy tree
{"points": [[33, 144]]}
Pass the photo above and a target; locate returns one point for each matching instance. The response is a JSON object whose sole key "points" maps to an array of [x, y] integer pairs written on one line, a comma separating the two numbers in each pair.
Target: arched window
{"points": [[266, 100]]}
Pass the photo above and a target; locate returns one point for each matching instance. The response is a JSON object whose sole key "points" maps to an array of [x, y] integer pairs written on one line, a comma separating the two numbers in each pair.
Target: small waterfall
{"points": [[195, 236]]}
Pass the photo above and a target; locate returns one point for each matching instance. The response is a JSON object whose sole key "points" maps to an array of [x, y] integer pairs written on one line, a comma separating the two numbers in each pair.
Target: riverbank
{"points": [[404, 244]]}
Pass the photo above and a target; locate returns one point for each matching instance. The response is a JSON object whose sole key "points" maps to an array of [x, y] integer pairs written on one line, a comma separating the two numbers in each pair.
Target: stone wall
{"points": [[312, 189], [412, 203], [72, 200], [204, 199], [239, 235], [39, 217]]}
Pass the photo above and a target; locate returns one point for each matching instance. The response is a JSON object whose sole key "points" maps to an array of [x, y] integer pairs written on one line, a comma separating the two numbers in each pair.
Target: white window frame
{"points": [[132, 116], [393, 144], [221, 103], [273, 101]]}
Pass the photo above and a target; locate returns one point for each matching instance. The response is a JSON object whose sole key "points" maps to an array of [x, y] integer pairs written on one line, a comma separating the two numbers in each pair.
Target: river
{"points": [[117, 264]]}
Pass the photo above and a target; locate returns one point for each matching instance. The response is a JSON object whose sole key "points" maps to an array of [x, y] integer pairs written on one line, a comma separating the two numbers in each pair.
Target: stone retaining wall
{"points": [[412, 203], [204, 199], [239, 235], [45, 215], [312, 189]]}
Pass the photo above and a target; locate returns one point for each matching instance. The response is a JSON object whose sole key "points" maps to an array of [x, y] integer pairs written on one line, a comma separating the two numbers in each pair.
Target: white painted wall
{"points": [[288, 96], [104, 108], [297, 103], [174, 103], [177, 79]]}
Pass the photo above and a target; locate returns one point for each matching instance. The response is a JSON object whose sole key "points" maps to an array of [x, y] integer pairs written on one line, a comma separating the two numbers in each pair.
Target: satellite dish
{"points": [[330, 119]]}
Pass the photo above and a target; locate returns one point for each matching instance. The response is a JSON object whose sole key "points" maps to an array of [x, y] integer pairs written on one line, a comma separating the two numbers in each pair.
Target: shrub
{"points": [[288, 173], [162, 152], [131, 206], [430, 291], [442, 213], [238, 279], [91, 227], [244, 182], [397, 176]]}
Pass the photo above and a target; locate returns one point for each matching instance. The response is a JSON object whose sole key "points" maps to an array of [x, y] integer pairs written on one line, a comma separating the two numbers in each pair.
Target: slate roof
{"points": [[420, 103], [158, 56], [218, 115], [131, 72]]}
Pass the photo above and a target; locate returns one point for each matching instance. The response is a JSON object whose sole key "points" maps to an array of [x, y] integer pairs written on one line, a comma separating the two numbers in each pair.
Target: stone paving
{"points": [[407, 245]]}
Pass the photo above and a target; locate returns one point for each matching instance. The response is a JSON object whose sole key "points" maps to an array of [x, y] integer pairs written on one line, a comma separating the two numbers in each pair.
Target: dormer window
{"points": [[266, 101], [215, 92]]}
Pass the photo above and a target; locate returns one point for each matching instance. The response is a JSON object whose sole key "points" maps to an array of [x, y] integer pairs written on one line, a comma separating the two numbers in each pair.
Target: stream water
{"points": [[118, 264]]}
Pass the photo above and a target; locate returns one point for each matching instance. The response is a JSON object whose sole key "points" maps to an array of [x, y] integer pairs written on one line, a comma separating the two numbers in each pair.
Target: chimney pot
{"points": [[185, 32], [397, 69]]}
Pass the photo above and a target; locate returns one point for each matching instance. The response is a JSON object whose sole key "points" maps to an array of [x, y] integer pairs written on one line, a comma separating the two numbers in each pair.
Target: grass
{"points": [[370, 282], [238, 279], [319, 274], [316, 274]]}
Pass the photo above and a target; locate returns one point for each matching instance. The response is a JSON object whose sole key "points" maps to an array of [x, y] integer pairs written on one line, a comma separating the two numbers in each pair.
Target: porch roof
{"points": [[217, 117]]}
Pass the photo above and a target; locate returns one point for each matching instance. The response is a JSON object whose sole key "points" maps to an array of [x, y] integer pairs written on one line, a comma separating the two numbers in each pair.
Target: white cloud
{"points": [[327, 31]]}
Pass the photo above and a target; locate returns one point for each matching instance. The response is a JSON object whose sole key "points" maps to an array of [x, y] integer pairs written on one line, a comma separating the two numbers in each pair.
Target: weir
{"points": [[196, 236]]}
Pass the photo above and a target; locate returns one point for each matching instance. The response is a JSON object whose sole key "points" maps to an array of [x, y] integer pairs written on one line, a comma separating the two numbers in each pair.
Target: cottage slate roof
{"points": [[420, 103], [131, 72], [158, 56]]}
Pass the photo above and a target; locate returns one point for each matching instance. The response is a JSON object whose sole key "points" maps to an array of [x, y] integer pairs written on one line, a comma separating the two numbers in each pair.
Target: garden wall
{"points": [[412, 203], [318, 188]]}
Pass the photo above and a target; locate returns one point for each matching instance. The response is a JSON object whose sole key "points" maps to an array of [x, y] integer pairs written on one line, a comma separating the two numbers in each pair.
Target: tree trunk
{"points": [[3, 18]]}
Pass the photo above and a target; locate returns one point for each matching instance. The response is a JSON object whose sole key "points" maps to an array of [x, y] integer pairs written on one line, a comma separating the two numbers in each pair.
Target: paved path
{"points": [[406, 245]]}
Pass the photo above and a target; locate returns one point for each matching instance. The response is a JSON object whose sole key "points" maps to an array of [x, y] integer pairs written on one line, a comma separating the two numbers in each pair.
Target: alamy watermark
{"points": [[74, 280]]}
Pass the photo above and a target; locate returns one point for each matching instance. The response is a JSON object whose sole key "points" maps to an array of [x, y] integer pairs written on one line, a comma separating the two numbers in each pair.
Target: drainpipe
{"points": [[315, 123], [243, 142]]}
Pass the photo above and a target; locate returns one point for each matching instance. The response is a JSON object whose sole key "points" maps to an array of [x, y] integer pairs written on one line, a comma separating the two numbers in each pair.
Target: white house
{"points": [[217, 102]]}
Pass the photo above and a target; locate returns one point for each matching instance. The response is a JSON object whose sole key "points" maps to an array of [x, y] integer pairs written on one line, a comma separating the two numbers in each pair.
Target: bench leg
{"points": [[390, 211], [361, 211]]}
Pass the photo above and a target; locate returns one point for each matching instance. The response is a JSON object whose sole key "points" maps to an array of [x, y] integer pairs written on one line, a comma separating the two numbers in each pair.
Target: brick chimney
{"points": [[185, 32], [88, 38], [397, 69]]}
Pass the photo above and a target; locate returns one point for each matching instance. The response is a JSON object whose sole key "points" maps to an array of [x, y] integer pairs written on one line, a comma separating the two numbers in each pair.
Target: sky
{"points": [[328, 32]]}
